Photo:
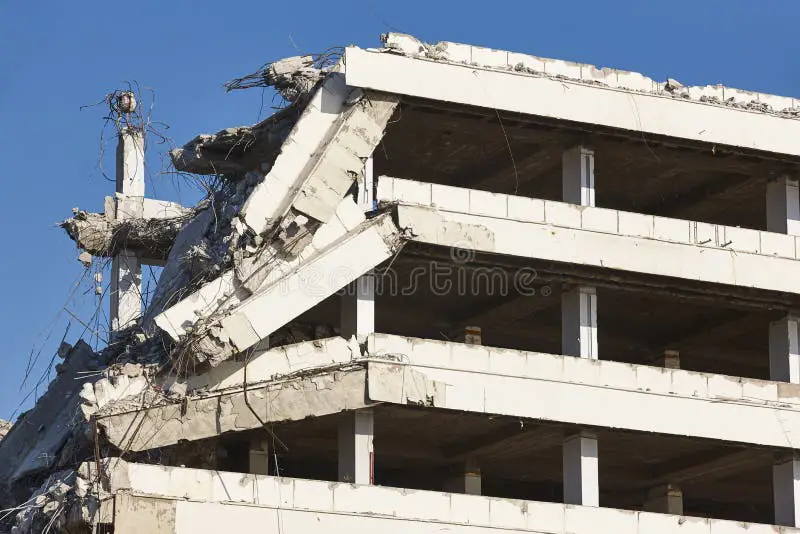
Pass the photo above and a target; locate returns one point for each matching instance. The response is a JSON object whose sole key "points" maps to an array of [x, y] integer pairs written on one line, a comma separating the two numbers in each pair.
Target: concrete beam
{"points": [[596, 237], [323, 155], [278, 301], [476, 379], [236, 285], [200, 505], [203, 417], [539, 386], [572, 100]]}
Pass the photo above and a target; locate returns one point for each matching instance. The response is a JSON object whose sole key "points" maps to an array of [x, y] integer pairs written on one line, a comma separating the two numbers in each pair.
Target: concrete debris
{"points": [[40, 441], [5, 427], [403, 44], [235, 151], [294, 78], [101, 236], [85, 258]]}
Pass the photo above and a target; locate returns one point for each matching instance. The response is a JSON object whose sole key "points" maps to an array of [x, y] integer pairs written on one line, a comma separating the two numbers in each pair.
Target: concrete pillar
{"points": [[356, 452], [581, 482], [126, 272], [358, 308], [786, 491], [577, 176], [671, 359], [126, 290], [259, 457], [579, 322], [784, 350], [466, 480], [666, 499], [783, 206]]}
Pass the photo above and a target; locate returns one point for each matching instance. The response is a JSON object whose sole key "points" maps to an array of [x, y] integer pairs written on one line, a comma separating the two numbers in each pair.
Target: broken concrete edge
{"points": [[242, 326], [474, 56], [231, 288], [234, 151], [5, 427], [100, 236]]}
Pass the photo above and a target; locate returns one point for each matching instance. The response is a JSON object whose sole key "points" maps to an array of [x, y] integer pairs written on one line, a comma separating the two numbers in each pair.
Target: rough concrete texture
{"points": [[359, 250], [325, 392], [102, 236], [35, 444], [614, 78], [5, 427], [234, 151]]}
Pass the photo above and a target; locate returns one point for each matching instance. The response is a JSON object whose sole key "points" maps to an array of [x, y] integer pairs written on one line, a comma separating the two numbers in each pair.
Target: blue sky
{"points": [[57, 56]]}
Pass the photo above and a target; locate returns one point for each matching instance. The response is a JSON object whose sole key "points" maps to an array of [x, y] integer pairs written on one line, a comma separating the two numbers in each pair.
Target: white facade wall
{"points": [[213, 502], [600, 237]]}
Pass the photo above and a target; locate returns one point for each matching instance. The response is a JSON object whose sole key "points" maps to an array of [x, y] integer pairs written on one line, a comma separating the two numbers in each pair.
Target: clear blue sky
{"points": [[57, 56]]}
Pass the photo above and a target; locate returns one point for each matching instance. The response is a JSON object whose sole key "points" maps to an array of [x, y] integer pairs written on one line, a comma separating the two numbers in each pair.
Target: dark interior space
{"points": [[522, 459], [515, 154]]}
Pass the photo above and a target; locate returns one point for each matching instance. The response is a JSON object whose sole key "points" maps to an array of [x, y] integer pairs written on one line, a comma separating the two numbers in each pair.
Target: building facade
{"points": [[451, 289]]}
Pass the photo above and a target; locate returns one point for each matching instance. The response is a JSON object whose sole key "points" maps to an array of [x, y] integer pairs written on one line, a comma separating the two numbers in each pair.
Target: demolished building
{"points": [[388, 314]]}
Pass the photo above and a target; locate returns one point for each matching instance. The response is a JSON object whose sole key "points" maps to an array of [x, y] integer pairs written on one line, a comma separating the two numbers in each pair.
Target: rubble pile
{"points": [[277, 207]]}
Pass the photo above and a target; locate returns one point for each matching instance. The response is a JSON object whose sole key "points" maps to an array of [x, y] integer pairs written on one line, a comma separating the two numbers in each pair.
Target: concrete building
{"points": [[447, 288]]}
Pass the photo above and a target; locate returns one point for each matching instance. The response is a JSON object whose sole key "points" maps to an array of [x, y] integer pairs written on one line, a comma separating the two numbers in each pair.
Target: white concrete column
{"points": [[356, 452], [666, 499], [259, 457], [468, 480], [358, 308], [126, 271], [126, 290], [786, 492], [581, 482], [784, 350], [783, 206], [579, 305], [577, 176], [579, 322], [671, 359]]}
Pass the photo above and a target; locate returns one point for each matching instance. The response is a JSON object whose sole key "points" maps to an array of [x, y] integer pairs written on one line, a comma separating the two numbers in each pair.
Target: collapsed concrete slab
{"points": [[234, 151], [324, 393], [322, 157], [310, 279], [5, 427]]}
